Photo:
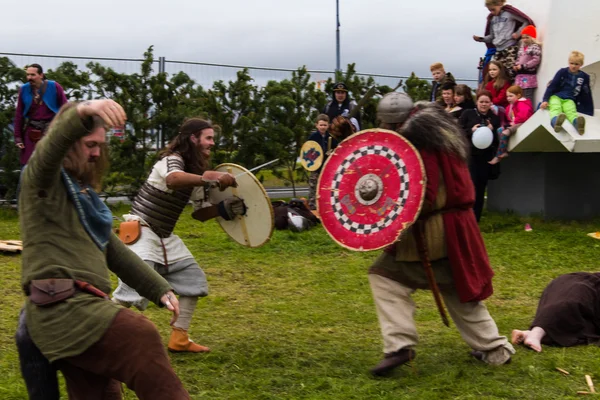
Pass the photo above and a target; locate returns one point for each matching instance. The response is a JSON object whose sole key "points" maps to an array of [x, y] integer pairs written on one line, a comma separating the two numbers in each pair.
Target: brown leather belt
{"points": [[45, 292]]}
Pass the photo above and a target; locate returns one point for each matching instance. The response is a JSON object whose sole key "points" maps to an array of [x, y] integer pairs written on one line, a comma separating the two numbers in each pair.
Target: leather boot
{"points": [[498, 356], [393, 360], [180, 342], [557, 122]]}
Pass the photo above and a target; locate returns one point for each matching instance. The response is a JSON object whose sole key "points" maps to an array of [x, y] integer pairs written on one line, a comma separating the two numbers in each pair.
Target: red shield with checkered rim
{"points": [[371, 189]]}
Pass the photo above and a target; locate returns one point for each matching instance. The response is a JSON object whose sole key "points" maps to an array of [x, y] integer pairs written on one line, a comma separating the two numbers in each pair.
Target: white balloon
{"points": [[482, 137]]}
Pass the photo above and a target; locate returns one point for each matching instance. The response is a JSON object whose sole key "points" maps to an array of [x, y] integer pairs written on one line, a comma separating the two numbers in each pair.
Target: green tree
{"points": [[74, 81], [175, 100], [252, 125], [119, 180], [236, 108], [417, 89], [10, 77], [358, 86], [291, 108], [134, 93]]}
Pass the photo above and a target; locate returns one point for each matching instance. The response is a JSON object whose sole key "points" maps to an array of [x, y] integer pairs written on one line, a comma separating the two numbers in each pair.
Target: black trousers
{"points": [[479, 169], [39, 375]]}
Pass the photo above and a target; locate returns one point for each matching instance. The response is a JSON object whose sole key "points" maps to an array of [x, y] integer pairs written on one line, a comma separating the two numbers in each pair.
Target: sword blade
{"points": [[257, 168]]}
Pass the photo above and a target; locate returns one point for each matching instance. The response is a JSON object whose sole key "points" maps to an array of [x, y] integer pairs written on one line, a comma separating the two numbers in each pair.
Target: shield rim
{"points": [[320, 158], [262, 188], [407, 224]]}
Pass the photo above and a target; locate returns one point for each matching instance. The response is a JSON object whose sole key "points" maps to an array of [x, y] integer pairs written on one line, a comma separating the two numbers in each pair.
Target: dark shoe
{"points": [[558, 122], [393, 360], [579, 124], [481, 356]]}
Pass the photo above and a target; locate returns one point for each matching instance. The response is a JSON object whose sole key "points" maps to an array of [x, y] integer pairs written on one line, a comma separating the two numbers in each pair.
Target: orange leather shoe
{"points": [[181, 343]]}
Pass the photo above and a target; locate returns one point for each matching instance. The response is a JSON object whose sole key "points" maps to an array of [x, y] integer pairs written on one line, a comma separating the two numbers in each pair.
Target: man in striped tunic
{"points": [[159, 203]]}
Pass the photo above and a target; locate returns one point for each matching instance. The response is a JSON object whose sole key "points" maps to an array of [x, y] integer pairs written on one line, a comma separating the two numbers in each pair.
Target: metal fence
{"points": [[205, 74]]}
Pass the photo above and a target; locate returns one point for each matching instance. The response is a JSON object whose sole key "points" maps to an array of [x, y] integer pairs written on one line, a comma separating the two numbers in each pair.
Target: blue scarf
{"points": [[94, 215]]}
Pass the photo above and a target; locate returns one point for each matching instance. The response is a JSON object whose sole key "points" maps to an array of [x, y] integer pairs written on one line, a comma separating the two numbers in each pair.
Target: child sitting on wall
{"points": [[569, 93], [519, 110]]}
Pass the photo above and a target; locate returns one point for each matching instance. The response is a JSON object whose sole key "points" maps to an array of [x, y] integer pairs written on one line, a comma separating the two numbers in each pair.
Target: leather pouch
{"points": [[46, 292], [35, 135], [130, 231]]}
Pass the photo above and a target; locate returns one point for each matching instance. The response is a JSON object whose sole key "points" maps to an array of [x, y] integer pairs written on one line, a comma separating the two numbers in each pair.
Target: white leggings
{"points": [[187, 305]]}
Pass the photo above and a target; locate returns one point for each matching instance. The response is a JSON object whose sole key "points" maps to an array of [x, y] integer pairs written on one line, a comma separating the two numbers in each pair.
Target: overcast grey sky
{"points": [[380, 36]]}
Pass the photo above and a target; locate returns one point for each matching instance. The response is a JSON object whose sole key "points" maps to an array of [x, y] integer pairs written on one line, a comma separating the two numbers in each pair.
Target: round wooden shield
{"points": [[256, 227], [371, 189], [311, 155]]}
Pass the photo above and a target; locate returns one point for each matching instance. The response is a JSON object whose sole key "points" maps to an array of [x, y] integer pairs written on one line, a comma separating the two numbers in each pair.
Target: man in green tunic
{"points": [[68, 251]]}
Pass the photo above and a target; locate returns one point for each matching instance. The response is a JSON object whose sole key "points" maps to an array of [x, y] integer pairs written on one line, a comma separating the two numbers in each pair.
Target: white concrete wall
{"points": [[564, 26]]}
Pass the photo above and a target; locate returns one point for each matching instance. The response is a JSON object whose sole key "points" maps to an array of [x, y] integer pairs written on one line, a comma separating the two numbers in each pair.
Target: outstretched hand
{"points": [[223, 179], [172, 304], [109, 110]]}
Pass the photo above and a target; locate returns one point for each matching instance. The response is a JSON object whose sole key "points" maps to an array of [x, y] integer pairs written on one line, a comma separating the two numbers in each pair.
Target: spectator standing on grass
{"points": [[38, 102]]}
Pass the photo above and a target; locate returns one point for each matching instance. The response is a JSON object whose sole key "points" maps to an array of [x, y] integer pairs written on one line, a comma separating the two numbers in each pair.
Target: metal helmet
{"points": [[393, 107]]}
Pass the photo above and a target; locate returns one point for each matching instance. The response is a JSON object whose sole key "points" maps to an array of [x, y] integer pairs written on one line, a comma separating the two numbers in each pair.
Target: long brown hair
{"points": [[195, 163], [467, 92], [87, 173], [501, 79]]}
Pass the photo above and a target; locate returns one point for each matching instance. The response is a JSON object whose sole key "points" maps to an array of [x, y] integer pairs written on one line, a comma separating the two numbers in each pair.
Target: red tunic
{"points": [[37, 112], [466, 250]]}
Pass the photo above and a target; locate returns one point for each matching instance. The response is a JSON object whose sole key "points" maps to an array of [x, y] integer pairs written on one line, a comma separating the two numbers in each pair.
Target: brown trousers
{"points": [[131, 351]]}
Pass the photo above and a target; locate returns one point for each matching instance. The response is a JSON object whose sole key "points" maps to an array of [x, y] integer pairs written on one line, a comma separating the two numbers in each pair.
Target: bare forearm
{"points": [[184, 180]]}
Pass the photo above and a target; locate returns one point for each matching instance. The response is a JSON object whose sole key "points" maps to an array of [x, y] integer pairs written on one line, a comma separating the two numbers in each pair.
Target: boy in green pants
{"points": [[568, 94]]}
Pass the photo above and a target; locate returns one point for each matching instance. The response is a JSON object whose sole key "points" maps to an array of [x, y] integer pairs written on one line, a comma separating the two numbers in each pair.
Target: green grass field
{"points": [[268, 179], [294, 319]]}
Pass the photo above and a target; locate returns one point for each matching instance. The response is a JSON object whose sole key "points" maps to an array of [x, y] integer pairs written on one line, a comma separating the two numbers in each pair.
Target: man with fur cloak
{"points": [[452, 237]]}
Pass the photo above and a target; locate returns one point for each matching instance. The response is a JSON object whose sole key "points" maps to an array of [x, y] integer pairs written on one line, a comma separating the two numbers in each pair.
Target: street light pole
{"points": [[337, 34]]}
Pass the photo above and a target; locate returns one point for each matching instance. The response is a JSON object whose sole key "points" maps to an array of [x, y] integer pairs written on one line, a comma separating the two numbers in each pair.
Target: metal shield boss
{"points": [[256, 227], [371, 189], [311, 155]]}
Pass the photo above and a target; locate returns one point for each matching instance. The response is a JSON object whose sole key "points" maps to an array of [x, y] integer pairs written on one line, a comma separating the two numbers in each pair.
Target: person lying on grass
{"points": [[568, 313]]}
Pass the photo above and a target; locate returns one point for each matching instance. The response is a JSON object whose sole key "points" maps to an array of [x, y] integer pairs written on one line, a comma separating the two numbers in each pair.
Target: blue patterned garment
{"points": [[94, 215]]}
